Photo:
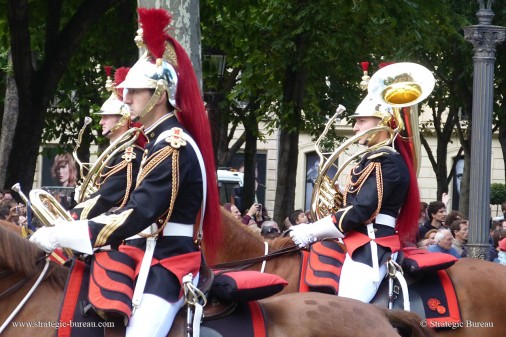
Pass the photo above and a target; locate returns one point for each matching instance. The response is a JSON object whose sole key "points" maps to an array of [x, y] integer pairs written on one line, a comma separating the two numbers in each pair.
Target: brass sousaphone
{"points": [[400, 87]]}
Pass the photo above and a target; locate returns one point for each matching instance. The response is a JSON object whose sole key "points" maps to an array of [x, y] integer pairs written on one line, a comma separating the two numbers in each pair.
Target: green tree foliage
{"points": [[56, 46], [497, 194], [298, 61]]}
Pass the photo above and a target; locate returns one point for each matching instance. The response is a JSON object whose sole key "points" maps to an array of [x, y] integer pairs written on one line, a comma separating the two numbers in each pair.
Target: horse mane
{"points": [[281, 242], [20, 256], [238, 239]]}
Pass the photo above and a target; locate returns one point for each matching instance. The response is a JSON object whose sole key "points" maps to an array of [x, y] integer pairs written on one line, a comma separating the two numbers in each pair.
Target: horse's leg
{"points": [[481, 295], [316, 314]]}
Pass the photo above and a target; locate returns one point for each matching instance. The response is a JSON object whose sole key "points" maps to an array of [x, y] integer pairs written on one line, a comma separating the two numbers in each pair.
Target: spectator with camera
{"points": [[11, 211], [254, 216]]}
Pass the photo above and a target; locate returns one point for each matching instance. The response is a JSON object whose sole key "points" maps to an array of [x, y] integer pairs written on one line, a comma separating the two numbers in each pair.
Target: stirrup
{"points": [[394, 271], [195, 301]]}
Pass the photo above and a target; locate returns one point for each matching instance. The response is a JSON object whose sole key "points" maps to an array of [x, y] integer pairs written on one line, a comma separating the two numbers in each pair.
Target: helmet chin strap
{"points": [[373, 138], [124, 118], [122, 121], [161, 86]]}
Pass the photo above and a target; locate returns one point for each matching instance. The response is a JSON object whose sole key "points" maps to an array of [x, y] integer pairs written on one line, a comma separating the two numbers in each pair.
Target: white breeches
{"points": [[154, 316], [360, 281]]}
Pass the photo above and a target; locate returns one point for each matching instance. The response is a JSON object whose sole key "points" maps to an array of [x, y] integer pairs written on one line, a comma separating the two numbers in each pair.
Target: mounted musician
{"points": [[175, 190], [112, 178], [380, 201]]}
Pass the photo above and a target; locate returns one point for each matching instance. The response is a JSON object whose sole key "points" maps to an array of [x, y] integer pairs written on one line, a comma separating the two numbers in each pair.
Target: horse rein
{"points": [[245, 263], [264, 262], [27, 296]]}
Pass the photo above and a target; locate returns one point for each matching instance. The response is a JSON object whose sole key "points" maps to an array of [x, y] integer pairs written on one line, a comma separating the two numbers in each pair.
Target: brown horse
{"points": [[291, 315], [480, 285], [10, 226]]}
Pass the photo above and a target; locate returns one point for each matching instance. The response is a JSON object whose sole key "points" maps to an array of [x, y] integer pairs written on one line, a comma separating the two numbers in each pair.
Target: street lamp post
{"points": [[484, 36]]}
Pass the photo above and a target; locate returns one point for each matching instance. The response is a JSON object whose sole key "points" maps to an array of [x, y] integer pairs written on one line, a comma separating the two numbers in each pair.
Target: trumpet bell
{"points": [[401, 84], [45, 207]]}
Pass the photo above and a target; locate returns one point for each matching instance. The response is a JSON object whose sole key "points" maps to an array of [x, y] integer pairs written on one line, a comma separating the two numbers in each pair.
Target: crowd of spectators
{"points": [[448, 231], [11, 210], [257, 218], [439, 230]]}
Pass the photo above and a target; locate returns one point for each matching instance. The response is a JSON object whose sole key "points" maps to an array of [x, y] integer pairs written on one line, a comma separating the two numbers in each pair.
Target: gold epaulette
{"points": [[377, 155], [386, 150], [129, 154], [175, 138]]}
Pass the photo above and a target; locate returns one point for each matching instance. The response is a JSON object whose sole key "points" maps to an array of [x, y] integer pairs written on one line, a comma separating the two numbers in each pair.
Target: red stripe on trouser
{"points": [[70, 300]]}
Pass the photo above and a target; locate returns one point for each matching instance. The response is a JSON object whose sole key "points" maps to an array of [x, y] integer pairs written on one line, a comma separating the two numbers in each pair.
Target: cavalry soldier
{"points": [[176, 187], [117, 179], [378, 207]]}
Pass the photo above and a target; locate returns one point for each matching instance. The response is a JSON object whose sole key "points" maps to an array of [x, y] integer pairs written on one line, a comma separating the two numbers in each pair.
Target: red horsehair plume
{"points": [[108, 82], [154, 23], [365, 77], [384, 64], [119, 76], [108, 70]]}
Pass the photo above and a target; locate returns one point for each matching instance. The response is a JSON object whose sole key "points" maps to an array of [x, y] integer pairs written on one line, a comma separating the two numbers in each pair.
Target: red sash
{"points": [[180, 265], [354, 240]]}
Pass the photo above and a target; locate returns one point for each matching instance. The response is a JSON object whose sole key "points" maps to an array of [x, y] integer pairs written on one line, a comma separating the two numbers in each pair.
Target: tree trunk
{"points": [[443, 137], [250, 164], [26, 141], [464, 186], [222, 134], [9, 120], [288, 150], [294, 84], [36, 87], [186, 24]]}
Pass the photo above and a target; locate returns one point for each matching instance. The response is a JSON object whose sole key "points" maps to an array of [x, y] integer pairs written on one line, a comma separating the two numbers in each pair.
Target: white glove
{"points": [[301, 235], [67, 234], [307, 233], [45, 239]]}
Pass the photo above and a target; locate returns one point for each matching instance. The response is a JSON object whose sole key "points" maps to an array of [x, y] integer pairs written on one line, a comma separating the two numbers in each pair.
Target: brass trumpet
{"points": [[45, 207]]}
